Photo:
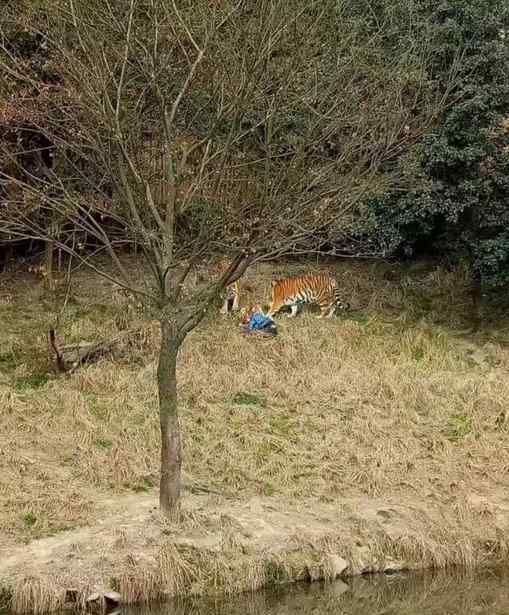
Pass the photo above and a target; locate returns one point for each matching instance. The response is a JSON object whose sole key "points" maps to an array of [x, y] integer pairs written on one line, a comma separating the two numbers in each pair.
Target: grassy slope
{"points": [[393, 400]]}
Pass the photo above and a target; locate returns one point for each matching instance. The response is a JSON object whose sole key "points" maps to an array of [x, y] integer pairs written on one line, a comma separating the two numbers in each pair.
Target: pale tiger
{"points": [[321, 289], [232, 291], [232, 298]]}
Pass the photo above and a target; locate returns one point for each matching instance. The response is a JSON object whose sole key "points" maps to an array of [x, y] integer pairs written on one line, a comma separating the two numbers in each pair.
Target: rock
{"points": [[384, 514], [338, 565], [393, 566], [112, 599], [99, 600]]}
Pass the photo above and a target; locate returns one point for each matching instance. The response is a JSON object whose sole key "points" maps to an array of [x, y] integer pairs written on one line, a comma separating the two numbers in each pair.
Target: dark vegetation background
{"points": [[451, 197], [452, 201]]}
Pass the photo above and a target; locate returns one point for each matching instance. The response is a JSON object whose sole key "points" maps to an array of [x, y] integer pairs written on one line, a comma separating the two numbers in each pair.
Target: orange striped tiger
{"points": [[320, 288]]}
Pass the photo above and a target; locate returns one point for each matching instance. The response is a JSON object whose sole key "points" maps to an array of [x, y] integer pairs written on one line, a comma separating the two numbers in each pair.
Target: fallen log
{"points": [[68, 358]]}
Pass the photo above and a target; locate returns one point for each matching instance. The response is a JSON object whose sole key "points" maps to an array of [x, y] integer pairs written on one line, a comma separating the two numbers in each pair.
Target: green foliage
{"points": [[103, 443], [5, 599], [29, 519], [268, 489], [275, 573], [458, 427], [144, 485], [244, 398], [32, 381], [456, 198], [8, 361]]}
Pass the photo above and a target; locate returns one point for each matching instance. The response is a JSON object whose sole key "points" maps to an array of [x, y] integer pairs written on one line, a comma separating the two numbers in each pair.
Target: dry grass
{"points": [[384, 402], [394, 400]]}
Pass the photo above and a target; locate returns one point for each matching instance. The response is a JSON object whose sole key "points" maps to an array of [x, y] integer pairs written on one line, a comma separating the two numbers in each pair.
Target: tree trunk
{"points": [[476, 296], [48, 264], [8, 255], [171, 454], [473, 225]]}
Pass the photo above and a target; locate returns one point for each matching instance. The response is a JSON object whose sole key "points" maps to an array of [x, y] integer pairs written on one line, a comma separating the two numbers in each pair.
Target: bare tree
{"points": [[192, 129]]}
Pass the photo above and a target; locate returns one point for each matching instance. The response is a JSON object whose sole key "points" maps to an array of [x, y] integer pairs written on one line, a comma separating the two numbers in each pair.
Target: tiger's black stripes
{"points": [[321, 289]]}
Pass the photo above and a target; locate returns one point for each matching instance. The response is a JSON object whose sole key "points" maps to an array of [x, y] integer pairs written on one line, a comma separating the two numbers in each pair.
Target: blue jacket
{"points": [[260, 321]]}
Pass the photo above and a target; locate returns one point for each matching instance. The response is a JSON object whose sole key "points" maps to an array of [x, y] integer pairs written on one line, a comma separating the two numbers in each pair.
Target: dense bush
{"points": [[456, 198]]}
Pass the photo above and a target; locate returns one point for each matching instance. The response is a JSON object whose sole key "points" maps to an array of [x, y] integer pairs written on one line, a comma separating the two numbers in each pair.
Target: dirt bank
{"points": [[227, 547]]}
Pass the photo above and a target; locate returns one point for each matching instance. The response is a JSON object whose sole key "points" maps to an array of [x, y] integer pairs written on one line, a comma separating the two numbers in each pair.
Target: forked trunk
{"points": [[171, 454]]}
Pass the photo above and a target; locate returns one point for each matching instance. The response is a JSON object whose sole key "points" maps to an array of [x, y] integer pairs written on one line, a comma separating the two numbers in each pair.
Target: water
{"points": [[486, 593]]}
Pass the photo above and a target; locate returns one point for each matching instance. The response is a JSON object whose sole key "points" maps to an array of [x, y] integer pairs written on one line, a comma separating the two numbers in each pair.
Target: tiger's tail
{"points": [[338, 300], [332, 299]]}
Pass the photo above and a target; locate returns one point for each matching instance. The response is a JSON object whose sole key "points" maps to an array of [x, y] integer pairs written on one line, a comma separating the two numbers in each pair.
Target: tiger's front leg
{"points": [[325, 312]]}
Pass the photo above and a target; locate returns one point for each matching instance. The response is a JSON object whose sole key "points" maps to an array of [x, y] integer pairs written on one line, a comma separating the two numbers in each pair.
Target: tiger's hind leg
{"points": [[331, 311], [323, 314], [236, 297], [224, 309], [327, 310], [344, 306]]}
